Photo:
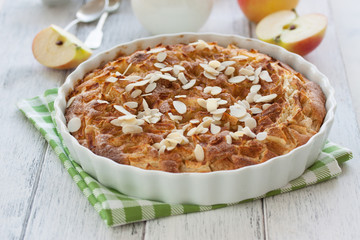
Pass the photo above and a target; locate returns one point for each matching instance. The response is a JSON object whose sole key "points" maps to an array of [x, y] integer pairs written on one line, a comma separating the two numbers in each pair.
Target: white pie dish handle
{"points": [[198, 188]]}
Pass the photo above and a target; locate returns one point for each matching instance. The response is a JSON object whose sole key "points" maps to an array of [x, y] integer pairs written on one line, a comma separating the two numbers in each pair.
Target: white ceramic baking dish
{"points": [[198, 188]]}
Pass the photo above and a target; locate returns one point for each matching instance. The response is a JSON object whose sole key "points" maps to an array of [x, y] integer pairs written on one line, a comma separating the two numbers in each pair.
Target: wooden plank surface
{"points": [[40, 201], [329, 210]]}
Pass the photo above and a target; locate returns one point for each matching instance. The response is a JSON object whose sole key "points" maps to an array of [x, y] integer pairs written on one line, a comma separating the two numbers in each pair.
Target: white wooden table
{"points": [[38, 199]]}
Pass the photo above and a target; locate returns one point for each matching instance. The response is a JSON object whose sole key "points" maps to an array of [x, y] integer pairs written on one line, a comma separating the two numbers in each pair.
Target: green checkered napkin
{"points": [[118, 209]]}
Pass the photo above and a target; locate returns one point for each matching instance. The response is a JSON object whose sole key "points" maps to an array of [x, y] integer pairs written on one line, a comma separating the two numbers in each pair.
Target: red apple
{"points": [[297, 34], [55, 48], [255, 10]]}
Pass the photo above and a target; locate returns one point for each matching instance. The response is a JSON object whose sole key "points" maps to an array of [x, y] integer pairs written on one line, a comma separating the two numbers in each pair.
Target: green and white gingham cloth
{"points": [[118, 209]]}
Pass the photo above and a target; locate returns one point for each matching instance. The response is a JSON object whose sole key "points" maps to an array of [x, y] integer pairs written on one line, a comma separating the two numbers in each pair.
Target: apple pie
{"points": [[196, 107]]}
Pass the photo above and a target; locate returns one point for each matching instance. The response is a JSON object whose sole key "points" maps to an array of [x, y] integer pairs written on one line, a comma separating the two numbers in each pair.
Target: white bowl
{"points": [[198, 188], [172, 16]]}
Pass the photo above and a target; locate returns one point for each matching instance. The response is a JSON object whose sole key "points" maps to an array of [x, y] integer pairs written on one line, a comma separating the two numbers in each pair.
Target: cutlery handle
{"points": [[74, 22], [94, 39]]}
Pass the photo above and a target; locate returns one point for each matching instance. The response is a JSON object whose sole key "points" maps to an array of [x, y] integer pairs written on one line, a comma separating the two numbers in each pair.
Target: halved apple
{"points": [[297, 34], [56, 48]]}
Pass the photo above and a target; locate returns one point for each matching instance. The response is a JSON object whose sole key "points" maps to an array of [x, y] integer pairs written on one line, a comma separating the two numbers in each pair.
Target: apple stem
{"points": [[59, 43], [294, 10]]}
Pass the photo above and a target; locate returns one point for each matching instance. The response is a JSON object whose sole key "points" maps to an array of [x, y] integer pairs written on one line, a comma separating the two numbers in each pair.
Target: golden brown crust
{"points": [[290, 119]]}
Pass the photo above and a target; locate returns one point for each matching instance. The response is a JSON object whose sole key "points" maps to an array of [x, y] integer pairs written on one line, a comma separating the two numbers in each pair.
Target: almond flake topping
{"points": [[156, 50], [227, 63], [237, 110], [122, 110], [255, 88], [132, 105], [237, 79], [214, 129], [132, 78], [102, 101], [228, 139], [194, 121], [199, 153], [180, 96], [168, 77], [248, 132], [214, 64], [74, 124], [261, 136], [175, 118], [111, 79], [264, 75], [161, 56], [229, 70], [189, 84], [166, 69], [131, 129], [177, 69], [209, 76], [136, 93], [127, 69], [247, 71], [180, 107], [201, 45], [159, 65], [70, 101], [267, 98], [240, 57], [251, 123], [211, 104], [201, 102], [150, 87], [118, 73], [266, 106], [182, 78], [255, 110]]}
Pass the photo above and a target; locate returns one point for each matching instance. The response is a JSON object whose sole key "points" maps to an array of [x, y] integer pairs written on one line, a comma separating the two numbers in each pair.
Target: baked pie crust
{"points": [[195, 107]]}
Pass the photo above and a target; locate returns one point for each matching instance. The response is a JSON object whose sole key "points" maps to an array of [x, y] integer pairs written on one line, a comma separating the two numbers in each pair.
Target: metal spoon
{"points": [[89, 12], [94, 39]]}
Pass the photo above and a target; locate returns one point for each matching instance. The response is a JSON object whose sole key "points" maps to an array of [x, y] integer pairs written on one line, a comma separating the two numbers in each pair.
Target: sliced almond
{"points": [[214, 64], [175, 118], [264, 75], [118, 73], [199, 153], [228, 139], [168, 77], [209, 76], [194, 121], [211, 104], [122, 110], [255, 88], [267, 98], [229, 70], [266, 106], [201, 102], [159, 65], [131, 129], [102, 101], [255, 110], [166, 69], [261, 136], [191, 132], [251, 123], [132, 78], [182, 78], [214, 129], [161, 56], [207, 89], [237, 79], [180, 96], [189, 84], [180, 107], [74, 124], [136, 93], [219, 111], [150, 87], [248, 71], [156, 50], [237, 111], [216, 91], [240, 57], [132, 105], [70, 101], [248, 132], [111, 79]]}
